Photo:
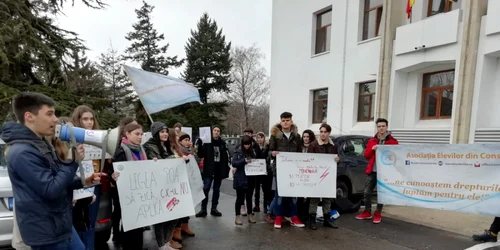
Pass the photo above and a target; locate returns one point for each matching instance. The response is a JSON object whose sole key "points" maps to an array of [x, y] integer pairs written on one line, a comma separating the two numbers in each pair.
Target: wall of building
{"points": [[296, 71], [485, 122]]}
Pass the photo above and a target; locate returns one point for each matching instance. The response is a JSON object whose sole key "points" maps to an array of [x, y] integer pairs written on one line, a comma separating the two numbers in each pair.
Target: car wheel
{"points": [[102, 237], [342, 190]]}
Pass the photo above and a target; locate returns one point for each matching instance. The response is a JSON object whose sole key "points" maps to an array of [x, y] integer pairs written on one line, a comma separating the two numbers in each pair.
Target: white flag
{"points": [[160, 92]]}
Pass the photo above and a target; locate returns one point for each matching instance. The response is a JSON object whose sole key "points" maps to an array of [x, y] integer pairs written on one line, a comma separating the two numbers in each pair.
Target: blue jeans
{"points": [[272, 206], [283, 203], [207, 183], [93, 212], [74, 243]]}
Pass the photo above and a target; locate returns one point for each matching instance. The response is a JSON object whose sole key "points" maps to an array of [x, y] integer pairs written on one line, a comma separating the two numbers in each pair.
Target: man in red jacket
{"points": [[381, 138]]}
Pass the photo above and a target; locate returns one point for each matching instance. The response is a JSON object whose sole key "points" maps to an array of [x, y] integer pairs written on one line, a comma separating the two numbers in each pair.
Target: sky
{"points": [[243, 22]]}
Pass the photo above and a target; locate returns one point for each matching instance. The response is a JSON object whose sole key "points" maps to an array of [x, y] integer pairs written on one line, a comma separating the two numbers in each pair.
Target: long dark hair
{"points": [[246, 140], [312, 137], [166, 145]]}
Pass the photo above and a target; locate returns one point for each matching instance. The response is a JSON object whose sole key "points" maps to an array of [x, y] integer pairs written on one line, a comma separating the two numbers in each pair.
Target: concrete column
{"points": [[393, 16], [472, 11]]}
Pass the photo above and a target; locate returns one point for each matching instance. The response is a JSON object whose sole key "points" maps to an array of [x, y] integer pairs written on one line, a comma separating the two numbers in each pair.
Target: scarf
{"points": [[186, 151], [130, 148]]}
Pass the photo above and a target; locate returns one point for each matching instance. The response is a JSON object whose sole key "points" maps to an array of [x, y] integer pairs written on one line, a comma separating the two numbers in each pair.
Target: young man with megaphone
{"points": [[39, 177]]}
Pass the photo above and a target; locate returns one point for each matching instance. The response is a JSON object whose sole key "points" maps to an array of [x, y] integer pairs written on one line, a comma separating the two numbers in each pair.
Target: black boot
{"points": [[202, 213], [312, 222], [327, 222]]}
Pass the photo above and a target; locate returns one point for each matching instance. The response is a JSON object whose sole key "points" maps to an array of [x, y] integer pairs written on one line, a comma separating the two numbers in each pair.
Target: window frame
{"points": [[440, 90], [447, 8], [319, 102], [366, 14], [325, 27], [372, 95]]}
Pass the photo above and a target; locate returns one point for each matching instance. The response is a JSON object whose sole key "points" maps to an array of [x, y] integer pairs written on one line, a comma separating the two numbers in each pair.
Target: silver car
{"points": [[7, 201]]}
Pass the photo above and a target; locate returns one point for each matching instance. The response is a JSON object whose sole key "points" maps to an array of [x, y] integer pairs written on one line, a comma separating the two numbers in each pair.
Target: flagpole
{"points": [[144, 106]]}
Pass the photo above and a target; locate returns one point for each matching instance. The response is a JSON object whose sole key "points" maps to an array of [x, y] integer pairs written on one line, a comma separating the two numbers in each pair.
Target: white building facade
{"points": [[349, 62]]}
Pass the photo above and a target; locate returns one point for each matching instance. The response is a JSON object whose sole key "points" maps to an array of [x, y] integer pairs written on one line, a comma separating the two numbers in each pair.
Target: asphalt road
{"points": [[221, 233]]}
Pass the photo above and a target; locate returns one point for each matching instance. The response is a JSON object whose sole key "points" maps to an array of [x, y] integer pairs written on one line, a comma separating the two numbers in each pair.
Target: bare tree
{"points": [[250, 87]]}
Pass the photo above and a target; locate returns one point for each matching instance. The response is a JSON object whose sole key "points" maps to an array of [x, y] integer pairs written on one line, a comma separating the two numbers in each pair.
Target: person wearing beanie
{"points": [[215, 168], [161, 146], [187, 150]]}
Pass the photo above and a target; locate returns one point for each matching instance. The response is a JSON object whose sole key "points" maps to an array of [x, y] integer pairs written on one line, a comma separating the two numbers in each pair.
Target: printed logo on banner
{"points": [[440, 163], [476, 165], [407, 162], [388, 158]]}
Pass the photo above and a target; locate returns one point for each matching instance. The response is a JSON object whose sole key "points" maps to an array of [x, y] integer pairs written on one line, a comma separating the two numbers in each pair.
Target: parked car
{"points": [[232, 143], [7, 201], [351, 175]]}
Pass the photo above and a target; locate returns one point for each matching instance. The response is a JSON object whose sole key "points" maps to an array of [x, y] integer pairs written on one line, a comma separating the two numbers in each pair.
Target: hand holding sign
{"points": [[206, 134]]}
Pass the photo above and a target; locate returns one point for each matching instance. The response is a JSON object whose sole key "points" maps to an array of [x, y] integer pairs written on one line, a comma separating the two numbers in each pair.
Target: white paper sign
{"points": [[206, 134], [256, 167], [188, 131], [88, 168], [145, 137], [306, 175], [94, 153], [195, 181], [152, 192]]}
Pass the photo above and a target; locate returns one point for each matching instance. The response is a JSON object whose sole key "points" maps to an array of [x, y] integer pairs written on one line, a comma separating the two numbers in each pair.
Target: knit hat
{"points": [[184, 136], [156, 127]]}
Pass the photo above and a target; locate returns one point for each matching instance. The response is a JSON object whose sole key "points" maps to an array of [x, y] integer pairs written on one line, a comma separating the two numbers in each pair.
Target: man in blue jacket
{"points": [[42, 183]]}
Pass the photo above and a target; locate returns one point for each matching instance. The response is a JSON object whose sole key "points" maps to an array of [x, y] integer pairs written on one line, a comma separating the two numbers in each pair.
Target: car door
{"points": [[353, 148]]}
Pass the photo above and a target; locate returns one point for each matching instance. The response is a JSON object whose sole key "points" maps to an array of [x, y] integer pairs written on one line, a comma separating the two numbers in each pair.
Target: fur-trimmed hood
{"points": [[278, 133]]}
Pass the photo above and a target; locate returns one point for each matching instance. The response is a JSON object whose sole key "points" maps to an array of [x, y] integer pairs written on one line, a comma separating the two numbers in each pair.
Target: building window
{"points": [[366, 101], [320, 105], [442, 6], [437, 95], [371, 18], [323, 31]]}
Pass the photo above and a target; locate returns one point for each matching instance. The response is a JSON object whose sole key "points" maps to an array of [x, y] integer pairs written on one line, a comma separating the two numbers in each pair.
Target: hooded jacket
{"points": [[279, 142], [42, 186]]}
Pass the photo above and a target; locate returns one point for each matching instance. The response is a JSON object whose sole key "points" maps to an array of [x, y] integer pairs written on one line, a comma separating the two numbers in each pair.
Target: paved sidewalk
{"points": [[457, 222]]}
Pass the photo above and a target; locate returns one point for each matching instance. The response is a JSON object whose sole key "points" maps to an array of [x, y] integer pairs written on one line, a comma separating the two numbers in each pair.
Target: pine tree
{"points": [[85, 81], [208, 68], [121, 93], [145, 49], [33, 50]]}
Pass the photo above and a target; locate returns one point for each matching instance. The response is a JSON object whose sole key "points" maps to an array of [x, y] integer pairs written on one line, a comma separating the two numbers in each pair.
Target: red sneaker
{"points": [[377, 217], [277, 222], [364, 216], [295, 221]]}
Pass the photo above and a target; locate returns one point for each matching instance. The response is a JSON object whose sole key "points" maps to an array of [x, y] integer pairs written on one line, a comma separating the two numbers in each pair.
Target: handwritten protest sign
{"points": [[256, 167], [94, 153], [454, 177], [306, 175], [152, 192], [88, 168], [195, 181]]}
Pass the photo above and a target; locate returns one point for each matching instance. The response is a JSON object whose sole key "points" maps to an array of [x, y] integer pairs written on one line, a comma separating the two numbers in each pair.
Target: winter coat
{"points": [[240, 179], [279, 142], [370, 154], [42, 186], [207, 152]]}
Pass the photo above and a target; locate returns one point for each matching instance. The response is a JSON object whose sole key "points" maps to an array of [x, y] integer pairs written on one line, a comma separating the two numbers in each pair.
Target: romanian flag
{"points": [[409, 5]]}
